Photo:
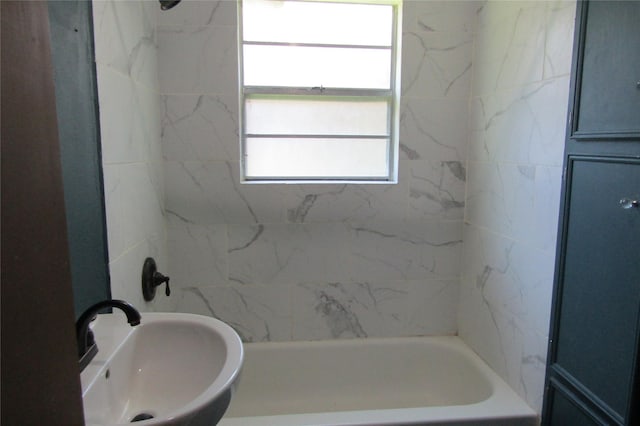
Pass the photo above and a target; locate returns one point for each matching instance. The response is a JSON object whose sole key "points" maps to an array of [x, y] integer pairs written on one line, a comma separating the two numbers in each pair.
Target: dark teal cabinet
{"points": [[593, 367], [596, 321], [608, 88], [567, 410]]}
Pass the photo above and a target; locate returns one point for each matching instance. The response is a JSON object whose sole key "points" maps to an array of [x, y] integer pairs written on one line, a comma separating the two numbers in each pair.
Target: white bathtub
{"points": [[399, 381]]}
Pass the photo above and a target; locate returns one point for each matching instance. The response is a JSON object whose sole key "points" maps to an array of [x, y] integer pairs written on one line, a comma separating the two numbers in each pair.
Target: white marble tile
{"points": [[550, 105], [134, 211], [321, 203], [113, 209], [126, 56], [197, 253], [433, 129], [202, 60], [440, 16], [411, 250], [478, 327], [495, 13], [142, 210], [517, 130], [129, 120], [518, 201], [514, 351], [126, 270], [288, 254], [156, 174], [347, 202], [559, 37], [525, 124], [199, 192], [520, 362], [509, 50], [532, 371], [437, 190], [502, 197], [196, 201], [509, 277], [200, 128], [257, 313], [200, 13], [121, 132], [548, 186], [347, 310], [436, 65], [148, 103], [151, 12], [267, 201], [432, 309], [125, 39], [210, 193]]}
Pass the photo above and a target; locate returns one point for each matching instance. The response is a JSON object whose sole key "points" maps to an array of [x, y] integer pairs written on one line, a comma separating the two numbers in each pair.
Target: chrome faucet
{"points": [[87, 347]]}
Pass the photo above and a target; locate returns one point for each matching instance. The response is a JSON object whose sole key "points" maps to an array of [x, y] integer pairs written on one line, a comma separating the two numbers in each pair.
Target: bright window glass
{"points": [[317, 22], [305, 66], [316, 158], [319, 90], [277, 116]]}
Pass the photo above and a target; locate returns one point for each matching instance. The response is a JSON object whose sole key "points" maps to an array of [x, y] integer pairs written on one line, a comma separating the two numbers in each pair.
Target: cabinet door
{"points": [[597, 323], [608, 94], [566, 411]]}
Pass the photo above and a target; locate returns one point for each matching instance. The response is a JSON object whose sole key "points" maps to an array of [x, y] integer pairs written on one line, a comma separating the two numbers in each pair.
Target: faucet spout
{"points": [[87, 347]]}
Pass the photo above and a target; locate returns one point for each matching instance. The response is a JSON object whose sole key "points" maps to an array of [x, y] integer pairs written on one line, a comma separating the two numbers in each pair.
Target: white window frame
{"points": [[391, 95]]}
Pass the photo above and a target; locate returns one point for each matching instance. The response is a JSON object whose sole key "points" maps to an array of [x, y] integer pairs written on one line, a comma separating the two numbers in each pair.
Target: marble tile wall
{"points": [[287, 262], [129, 104], [517, 120]]}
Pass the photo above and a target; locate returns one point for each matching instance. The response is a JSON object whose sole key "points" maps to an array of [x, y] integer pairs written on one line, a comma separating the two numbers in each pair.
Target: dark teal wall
{"points": [[78, 123]]}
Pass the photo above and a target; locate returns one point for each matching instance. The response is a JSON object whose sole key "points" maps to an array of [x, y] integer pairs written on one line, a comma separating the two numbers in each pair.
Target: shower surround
{"points": [[518, 110], [484, 95], [130, 132], [301, 262]]}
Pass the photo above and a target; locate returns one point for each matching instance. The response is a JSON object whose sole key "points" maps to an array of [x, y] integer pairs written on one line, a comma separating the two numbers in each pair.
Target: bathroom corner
{"points": [[129, 104], [522, 64]]}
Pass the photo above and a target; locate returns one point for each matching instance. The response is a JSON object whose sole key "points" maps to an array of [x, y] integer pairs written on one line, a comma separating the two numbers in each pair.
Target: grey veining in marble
{"points": [[437, 190], [407, 251], [339, 318], [127, 80], [433, 128], [125, 39], [198, 60], [516, 136], [257, 313], [484, 95], [342, 238], [200, 13], [200, 128], [438, 63], [347, 310]]}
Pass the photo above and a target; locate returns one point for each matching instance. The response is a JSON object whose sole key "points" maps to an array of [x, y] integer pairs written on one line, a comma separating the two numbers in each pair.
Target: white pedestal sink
{"points": [[172, 369]]}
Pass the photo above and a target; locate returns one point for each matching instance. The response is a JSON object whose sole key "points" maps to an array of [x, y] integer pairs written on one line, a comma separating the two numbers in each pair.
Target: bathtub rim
{"points": [[502, 404]]}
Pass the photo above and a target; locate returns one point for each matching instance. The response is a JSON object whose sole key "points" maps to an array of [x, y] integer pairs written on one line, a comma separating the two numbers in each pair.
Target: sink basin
{"points": [[172, 369]]}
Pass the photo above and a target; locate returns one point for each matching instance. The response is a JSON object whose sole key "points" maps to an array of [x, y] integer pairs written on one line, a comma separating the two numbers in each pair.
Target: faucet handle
{"points": [[158, 279], [151, 279]]}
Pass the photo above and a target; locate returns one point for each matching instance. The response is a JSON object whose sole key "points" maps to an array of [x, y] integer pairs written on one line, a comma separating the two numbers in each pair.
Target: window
{"points": [[319, 90]]}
